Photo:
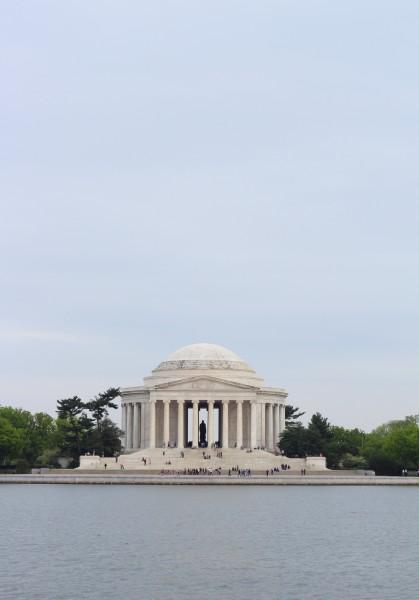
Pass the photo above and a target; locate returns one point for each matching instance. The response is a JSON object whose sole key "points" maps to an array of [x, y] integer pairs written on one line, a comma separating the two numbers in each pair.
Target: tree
{"points": [[11, 442], [81, 433], [344, 444], [32, 433], [393, 446], [101, 403], [73, 427], [292, 415], [70, 408], [319, 435], [294, 441], [73, 436], [106, 440]]}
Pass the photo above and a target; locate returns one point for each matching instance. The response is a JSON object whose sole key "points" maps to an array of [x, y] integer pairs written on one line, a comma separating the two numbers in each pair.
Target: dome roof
{"points": [[203, 356]]}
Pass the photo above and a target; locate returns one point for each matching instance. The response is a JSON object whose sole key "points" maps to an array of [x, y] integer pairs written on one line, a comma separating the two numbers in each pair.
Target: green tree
{"points": [[11, 442], [105, 440], [33, 433], [70, 408], [319, 434], [100, 405], [292, 415], [294, 441], [393, 446], [343, 444]]}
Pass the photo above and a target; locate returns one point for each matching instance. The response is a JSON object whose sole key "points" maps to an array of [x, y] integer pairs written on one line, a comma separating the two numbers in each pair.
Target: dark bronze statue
{"points": [[202, 433]]}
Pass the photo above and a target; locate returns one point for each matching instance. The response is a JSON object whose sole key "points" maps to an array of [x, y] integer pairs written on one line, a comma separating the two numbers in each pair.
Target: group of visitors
{"points": [[202, 471], [405, 473], [244, 473], [283, 468], [240, 472]]}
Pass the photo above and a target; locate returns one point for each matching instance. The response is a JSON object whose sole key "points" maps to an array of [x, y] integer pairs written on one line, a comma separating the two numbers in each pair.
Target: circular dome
{"points": [[203, 356]]}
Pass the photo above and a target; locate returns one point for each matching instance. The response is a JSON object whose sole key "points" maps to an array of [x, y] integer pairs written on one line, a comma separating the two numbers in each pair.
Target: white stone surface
{"points": [[157, 460]]}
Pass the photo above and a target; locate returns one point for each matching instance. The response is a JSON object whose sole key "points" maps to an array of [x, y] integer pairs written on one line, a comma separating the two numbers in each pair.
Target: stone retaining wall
{"points": [[130, 479]]}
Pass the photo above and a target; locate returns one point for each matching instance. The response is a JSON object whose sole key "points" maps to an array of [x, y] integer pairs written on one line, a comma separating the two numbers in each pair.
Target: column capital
{"points": [[225, 402], [166, 400], [180, 401], [195, 402], [211, 402], [240, 401]]}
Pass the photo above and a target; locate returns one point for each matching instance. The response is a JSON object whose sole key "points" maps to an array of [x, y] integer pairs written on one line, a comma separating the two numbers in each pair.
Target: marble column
{"points": [[253, 424], [195, 416], [180, 431], [225, 424], [152, 407], [263, 425], [166, 423], [210, 432], [270, 432], [281, 418], [124, 424], [276, 426], [136, 437], [239, 433], [129, 426], [142, 425]]}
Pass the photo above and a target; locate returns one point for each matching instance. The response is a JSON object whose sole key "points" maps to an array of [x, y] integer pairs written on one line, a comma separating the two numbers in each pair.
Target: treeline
{"points": [[387, 449], [38, 440]]}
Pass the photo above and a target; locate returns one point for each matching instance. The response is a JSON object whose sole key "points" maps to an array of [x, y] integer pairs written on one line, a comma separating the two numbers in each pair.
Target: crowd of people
{"points": [[200, 471]]}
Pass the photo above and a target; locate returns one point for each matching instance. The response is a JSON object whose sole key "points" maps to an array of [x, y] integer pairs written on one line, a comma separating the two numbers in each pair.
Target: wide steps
{"points": [[193, 459]]}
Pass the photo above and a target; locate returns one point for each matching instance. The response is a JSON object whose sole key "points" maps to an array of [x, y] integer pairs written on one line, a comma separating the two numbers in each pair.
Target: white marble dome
{"points": [[207, 356]]}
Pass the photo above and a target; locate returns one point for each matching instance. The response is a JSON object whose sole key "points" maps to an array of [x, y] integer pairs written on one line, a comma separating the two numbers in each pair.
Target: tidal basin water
{"points": [[144, 543]]}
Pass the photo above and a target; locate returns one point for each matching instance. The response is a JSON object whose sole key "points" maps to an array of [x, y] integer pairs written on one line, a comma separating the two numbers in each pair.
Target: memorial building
{"points": [[202, 409], [202, 395]]}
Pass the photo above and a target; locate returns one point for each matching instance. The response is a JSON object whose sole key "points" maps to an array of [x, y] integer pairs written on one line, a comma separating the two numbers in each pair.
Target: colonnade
{"points": [[267, 421]]}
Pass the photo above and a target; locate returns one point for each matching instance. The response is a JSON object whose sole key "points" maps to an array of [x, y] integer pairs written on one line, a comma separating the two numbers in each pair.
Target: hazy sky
{"points": [[241, 173]]}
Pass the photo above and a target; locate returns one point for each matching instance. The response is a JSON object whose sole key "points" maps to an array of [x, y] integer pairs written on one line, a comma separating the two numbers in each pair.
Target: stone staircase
{"points": [[170, 459]]}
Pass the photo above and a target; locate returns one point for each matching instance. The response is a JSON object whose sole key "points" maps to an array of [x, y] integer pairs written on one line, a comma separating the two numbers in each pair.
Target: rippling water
{"points": [[100, 542]]}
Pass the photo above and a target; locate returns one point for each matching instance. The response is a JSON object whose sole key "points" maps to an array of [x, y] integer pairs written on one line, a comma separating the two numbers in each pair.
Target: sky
{"points": [[240, 173]]}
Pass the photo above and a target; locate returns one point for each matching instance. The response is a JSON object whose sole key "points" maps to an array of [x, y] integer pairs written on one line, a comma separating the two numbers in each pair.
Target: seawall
{"points": [[129, 479]]}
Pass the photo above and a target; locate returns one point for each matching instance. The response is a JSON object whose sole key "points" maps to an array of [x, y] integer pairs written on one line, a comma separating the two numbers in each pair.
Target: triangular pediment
{"points": [[204, 383]]}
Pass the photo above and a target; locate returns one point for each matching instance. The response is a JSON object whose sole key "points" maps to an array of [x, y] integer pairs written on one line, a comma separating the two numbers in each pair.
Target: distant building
{"points": [[203, 410], [203, 382]]}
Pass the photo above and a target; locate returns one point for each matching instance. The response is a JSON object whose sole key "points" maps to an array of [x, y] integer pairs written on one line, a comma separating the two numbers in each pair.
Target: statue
{"points": [[202, 434]]}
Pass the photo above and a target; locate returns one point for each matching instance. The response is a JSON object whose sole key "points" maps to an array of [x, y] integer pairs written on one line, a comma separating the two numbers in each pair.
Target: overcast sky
{"points": [[240, 173]]}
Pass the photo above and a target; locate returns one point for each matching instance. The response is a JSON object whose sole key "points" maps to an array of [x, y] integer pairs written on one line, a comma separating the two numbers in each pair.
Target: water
{"points": [[164, 543]]}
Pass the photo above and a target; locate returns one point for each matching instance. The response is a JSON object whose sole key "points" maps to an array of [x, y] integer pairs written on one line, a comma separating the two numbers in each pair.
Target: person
{"points": [[122, 466], [106, 466]]}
